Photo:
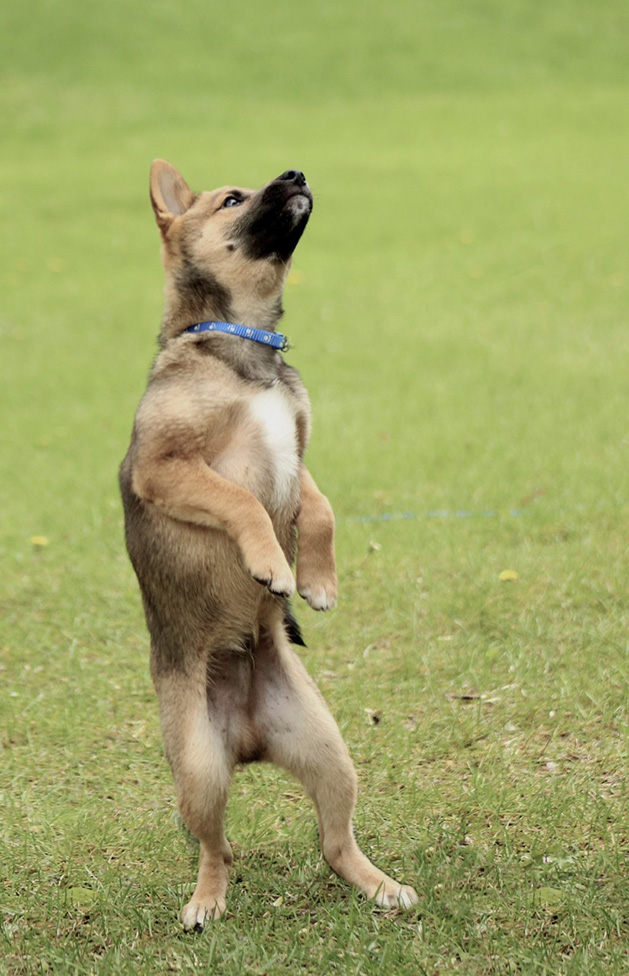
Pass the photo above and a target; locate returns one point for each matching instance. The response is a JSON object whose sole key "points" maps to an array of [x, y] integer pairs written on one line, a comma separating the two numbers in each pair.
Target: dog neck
{"points": [[186, 307], [258, 362]]}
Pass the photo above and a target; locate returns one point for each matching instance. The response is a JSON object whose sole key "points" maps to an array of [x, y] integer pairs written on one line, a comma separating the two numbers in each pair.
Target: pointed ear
{"points": [[170, 194]]}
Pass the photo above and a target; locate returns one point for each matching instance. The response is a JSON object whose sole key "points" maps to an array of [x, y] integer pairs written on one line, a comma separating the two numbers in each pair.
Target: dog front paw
{"points": [[269, 567], [278, 579], [319, 594]]}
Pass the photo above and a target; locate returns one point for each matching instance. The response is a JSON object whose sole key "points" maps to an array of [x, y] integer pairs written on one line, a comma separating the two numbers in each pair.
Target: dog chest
{"points": [[274, 416]]}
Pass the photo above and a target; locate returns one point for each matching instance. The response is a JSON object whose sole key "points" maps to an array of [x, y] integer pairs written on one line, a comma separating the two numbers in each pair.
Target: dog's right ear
{"points": [[170, 194]]}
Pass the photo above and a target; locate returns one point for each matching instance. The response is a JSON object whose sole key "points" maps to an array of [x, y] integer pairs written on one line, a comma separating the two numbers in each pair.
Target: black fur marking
{"points": [[293, 630], [270, 228], [201, 292]]}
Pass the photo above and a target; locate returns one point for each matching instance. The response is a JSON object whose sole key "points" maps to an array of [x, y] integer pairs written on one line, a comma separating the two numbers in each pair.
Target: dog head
{"points": [[227, 252]]}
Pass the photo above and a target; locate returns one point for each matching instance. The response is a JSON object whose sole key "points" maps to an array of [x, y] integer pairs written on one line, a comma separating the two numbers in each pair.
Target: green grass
{"points": [[459, 312]]}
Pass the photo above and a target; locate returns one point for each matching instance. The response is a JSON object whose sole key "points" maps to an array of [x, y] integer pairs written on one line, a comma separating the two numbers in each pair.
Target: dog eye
{"points": [[231, 201]]}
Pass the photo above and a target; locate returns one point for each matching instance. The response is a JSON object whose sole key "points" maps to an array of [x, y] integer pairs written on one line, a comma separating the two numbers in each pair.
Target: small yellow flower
{"points": [[39, 541]]}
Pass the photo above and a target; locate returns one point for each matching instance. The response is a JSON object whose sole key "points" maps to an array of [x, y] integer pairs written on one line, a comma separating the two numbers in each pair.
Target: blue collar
{"points": [[274, 339]]}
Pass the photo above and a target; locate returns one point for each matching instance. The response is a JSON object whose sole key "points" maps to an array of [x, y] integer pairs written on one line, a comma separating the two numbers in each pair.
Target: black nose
{"points": [[293, 176]]}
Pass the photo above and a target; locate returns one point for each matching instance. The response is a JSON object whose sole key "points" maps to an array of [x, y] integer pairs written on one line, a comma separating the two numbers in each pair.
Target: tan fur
{"points": [[218, 503]]}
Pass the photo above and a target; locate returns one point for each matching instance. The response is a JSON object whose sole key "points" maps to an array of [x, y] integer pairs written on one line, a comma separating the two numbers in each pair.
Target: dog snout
{"points": [[294, 176]]}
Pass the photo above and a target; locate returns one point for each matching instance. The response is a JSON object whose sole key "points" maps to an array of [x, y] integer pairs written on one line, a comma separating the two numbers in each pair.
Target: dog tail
{"points": [[293, 630]]}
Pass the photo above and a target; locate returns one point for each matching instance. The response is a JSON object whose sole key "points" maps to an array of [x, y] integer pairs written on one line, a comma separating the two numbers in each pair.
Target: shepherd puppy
{"points": [[218, 505]]}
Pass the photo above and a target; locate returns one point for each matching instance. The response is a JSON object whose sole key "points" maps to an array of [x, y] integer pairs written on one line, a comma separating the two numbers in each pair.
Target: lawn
{"points": [[458, 308]]}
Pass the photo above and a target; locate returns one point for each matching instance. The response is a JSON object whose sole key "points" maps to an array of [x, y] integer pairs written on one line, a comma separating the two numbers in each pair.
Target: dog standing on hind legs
{"points": [[218, 504]]}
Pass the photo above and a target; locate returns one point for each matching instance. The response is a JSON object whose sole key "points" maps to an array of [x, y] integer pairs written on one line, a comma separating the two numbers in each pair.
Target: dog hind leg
{"points": [[301, 736], [202, 769]]}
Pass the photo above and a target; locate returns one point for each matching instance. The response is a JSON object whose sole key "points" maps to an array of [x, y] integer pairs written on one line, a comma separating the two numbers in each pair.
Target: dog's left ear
{"points": [[170, 194]]}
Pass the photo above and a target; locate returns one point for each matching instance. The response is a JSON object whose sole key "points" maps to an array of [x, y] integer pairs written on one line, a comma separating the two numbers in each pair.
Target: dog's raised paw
{"points": [[319, 597], [280, 584]]}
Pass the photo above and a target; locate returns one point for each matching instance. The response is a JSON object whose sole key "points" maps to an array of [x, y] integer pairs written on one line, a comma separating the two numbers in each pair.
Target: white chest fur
{"points": [[275, 416]]}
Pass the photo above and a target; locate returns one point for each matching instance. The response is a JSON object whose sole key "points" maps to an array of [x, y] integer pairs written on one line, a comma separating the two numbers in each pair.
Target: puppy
{"points": [[218, 505]]}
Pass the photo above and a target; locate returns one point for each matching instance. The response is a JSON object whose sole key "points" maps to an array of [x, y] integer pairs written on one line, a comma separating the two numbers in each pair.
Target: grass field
{"points": [[459, 310]]}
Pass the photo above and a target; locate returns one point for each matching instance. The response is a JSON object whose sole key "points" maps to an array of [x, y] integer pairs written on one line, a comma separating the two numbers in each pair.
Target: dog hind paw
{"points": [[396, 896], [196, 913]]}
